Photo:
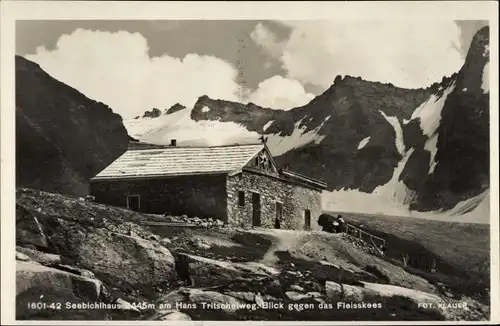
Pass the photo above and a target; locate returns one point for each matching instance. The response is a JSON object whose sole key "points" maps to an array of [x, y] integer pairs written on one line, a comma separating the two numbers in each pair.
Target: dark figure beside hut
{"points": [[331, 224]]}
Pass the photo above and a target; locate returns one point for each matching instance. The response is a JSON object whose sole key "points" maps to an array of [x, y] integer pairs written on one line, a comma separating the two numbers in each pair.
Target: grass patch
{"points": [[459, 247], [460, 250], [477, 289]]}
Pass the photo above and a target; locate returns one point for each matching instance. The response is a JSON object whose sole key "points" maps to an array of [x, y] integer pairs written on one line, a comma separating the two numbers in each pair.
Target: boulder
{"points": [[259, 300], [132, 229], [327, 263], [296, 287], [130, 259], [22, 257], [387, 290], [39, 284], [247, 296], [165, 242], [166, 304], [202, 269], [313, 286], [267, 297], [256, 268], [34, 280], [314, 294], [74, 270], [200, 244], [175, 315], [292, 295], [346, 292], [128, 308], [447, 308], [154, 237], [198, 296], [38, 256], [353, 293], [28, 228], [333, 290], [295, 296]]}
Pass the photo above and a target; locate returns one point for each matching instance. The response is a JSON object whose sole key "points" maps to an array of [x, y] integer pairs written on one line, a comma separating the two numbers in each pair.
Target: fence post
{"points": [[406, 258], [433, 265]]}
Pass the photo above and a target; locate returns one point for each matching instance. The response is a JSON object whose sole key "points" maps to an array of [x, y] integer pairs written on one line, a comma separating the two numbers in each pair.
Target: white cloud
{"points": [[115, 68], [266, 39], [280, 93], [406, 53]]}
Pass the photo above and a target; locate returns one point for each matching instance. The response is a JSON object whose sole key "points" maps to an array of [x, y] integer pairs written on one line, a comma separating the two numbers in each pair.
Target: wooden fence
{"points": [[363, 235]]}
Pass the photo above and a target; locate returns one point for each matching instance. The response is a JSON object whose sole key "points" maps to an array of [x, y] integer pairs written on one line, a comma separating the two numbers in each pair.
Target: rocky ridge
{"points": [[63, 138], [362, 136]]}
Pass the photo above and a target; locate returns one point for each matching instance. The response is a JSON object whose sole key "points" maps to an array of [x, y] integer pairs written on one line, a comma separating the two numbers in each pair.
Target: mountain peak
{"points": [[174, 108], [154, 113], [204, 98]]}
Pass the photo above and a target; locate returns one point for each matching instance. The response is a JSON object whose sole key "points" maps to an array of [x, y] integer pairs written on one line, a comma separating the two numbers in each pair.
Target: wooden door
{"points": [[307, 219], [133, 202], [279, 213], [255, 209]]}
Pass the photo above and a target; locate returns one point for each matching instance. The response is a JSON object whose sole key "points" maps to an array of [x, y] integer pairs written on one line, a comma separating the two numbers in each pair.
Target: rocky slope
{"points": [[452, 165], [62, 137], [79, 252], [403, 149]]}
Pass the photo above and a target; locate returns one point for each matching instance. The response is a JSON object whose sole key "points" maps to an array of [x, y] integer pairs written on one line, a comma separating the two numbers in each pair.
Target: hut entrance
{"points": [[255, 209], [279, 213], [133, 202]]}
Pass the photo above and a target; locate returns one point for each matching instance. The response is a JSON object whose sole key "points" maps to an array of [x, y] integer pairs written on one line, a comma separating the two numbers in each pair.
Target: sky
{"points": [[134, 66]]}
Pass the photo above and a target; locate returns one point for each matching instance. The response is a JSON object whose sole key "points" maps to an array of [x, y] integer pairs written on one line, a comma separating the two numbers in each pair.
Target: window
{"points": [[241, 198], [307, 219]]}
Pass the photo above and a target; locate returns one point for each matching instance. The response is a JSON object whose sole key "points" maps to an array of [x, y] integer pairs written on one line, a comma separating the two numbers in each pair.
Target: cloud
{"points": [[115, 68], [280, 93], [265, 38], [408, 54]]}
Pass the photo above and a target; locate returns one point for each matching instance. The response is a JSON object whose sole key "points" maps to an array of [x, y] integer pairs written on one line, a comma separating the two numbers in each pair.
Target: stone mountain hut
{"points": [[238, 184]]}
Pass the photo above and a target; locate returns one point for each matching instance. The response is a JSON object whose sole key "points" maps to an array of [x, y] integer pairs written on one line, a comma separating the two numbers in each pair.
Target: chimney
{"points": [[173, 142]]}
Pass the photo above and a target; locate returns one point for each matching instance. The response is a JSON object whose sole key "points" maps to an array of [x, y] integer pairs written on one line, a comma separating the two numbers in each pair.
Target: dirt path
{"points": [[282, 240]]}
